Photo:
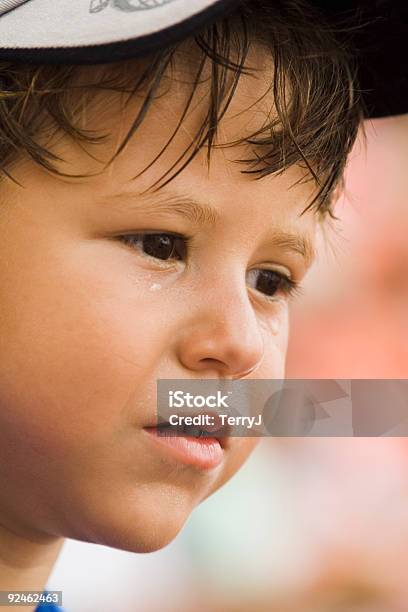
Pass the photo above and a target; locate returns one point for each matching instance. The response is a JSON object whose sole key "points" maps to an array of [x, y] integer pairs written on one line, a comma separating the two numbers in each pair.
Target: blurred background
{"points": [[309, 524]]}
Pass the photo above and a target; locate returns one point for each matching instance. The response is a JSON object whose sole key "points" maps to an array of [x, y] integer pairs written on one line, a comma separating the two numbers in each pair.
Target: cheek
{"points": [[75, 347]]}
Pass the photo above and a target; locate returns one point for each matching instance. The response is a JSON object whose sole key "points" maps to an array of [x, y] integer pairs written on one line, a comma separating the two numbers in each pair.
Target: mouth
{"points": [[208, 426], [201, 446]]}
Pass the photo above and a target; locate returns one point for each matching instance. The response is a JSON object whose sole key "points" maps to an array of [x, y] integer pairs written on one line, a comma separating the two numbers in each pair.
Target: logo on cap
{"points": [[9, 5], [128, 6]]}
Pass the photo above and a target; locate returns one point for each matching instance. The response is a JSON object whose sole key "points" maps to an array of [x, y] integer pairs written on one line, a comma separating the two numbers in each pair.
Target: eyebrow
{"points": [[288, 241], [201, 214]]}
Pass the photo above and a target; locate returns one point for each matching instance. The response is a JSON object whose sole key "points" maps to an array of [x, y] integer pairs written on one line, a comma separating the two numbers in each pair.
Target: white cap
{"points": [[93, 31]]}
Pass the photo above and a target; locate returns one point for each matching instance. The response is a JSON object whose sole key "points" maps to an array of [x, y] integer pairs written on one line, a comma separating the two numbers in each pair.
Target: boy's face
{"points": [[89, 323]]}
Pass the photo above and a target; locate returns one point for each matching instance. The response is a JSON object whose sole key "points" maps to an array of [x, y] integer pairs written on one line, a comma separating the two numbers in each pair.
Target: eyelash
{"points": [[289, 287]]}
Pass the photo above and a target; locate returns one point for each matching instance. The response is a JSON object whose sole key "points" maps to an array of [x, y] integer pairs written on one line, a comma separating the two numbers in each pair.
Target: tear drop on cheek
{"points": [[155, 287], [275, 327]]}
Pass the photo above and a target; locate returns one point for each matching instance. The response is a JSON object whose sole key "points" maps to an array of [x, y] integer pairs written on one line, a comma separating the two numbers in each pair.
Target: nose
{"points": [[222, 335]]}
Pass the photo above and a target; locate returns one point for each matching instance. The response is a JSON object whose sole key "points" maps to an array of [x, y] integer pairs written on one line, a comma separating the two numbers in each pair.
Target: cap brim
{"points": [[380, 42]]}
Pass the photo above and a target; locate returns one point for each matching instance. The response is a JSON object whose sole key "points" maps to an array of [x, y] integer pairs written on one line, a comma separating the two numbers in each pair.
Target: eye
{"points": [[162, 246], [272, 282]]}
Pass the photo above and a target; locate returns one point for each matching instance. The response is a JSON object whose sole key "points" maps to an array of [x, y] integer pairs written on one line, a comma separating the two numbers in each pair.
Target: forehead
{"points": [[168, 131], [185, 93], [170, 128]]}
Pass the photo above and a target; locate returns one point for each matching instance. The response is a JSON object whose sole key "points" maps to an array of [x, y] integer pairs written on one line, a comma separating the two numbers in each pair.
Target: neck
{"points": [[26, 563]]}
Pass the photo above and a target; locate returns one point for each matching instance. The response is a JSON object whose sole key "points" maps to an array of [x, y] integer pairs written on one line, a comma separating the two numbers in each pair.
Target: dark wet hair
{"points": [[318, 108]]}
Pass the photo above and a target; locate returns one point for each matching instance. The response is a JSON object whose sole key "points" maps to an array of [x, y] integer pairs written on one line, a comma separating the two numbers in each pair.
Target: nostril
{"points": [[208, 363]]}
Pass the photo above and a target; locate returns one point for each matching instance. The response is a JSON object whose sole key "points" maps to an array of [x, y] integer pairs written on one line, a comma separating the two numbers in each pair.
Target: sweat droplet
{"points": [[155, 287]]}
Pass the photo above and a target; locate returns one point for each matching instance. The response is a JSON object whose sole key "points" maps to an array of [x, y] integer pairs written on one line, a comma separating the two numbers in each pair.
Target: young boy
{"points": [[160, 196]]}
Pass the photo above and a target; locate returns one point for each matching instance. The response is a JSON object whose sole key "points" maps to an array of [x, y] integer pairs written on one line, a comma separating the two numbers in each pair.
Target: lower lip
{"points": [[203, 453]]}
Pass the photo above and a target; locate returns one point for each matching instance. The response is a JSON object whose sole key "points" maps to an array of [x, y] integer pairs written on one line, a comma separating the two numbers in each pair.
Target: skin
{"points": [[89, 324]]}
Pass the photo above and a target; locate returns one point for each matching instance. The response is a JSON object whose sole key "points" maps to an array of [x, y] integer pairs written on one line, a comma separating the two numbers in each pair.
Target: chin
{"points": [[144, 524], [149, 539]]}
